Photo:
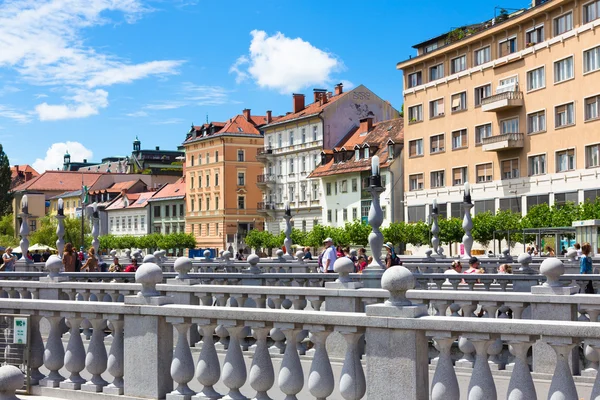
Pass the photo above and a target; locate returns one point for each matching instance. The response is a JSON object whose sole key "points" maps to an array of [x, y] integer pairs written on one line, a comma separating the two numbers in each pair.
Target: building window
{"points": [[192, 161], [414, 79], [481, 132], [344, 186], [537, 165], [315, 130], [592, 108], [430, 48], [563, 70], [280, 140], [135, 223], [458, 64], [536, 122], [354, 213], [344, 215], [534, 36], [563, 24], [565, 160], [510, 168], [129, 223], [193, 205], [591, 11], [292, 192], [191, 181], [174, 213], [459, 102], [482, 56], [481, 93], [564, 115], [291, 171], [484, 172], [484, 206], [199, 180], [216, 203], [356, 154], [459, 176], [437, 179], [303, 136], [560, 199], [291, 138], [508, 85], [157, 228], [156, 211], [536, 79], [533, 201], [241, 202], [436, 108], [303, 164], [216, 156], [415, 148], [415, 113], [207, 180], [240, 155], [181, 210], [436, 144], [592, 156], [415, 182], [366, 152], [315, 191], [436, 72], [509, 126], [199, 204], [207, 158], [591, 60], [510, 204], [303, 192], [507, 46], [167, 211], [329, 219], [416, 213], [459, 139], [456, 210], [241, 179]]}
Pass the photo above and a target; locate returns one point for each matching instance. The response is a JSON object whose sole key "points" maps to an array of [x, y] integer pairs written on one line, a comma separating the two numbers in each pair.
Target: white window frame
{"points": [[502, 88], [479, 87], [489, 48], [583, 21], [422, 148], [422, 181], [409, 80], [535, 28], [436, 67], [443, 171], [509, 119], [465, 175], [529, 173], [464, 145], [464, 106], [528, 90], [597, 96], [560, 16], [587, 164], [480, 125], [456, 58], [554, 69], [518, 168], [556, 164], [410, 114], [440, 151], [505, 40], [529, 132], [439, 115], [484, 163], [574, 115], [584, 63]]}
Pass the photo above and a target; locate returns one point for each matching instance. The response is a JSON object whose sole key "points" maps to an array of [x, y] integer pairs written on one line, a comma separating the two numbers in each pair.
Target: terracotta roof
{"points": [[378, 138], [172, 190], [14, 170], [236, 125], [63, 181], [239, 124], [311, 109], [117, 187], [136, 200]]}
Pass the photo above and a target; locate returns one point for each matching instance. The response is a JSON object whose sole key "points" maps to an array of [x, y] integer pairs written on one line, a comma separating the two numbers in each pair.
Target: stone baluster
{"points": [[494, 351], [315, 302], [182, 365], [262, 374], [562, 386], [205, 299], [75, 354], [234, 367], [36, 357], [208, 370], [352, 380], [291, 377], [490, 308], [444, 385], [115, 362], [595, 344], [468, 309], [521, 385], [592, 356], [54, 354], [259, 299], [592, 314], [481, 385], [223, 335], [278, 338], [440, 307], [454, 309], [517, 309], [320, 379], [96, 359], [467, 348]]}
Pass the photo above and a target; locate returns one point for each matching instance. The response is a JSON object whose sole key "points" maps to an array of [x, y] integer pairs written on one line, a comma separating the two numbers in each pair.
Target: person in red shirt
{"points": [[132, 267]]}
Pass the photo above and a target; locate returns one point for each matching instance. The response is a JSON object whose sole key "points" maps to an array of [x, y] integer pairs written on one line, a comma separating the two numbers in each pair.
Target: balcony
{"points": [[264, 153], [507, 141], [265, 179], [265, 207], [502, 101]]}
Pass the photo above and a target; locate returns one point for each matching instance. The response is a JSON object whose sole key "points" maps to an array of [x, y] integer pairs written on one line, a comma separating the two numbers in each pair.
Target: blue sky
{"points": [[91, 75]]}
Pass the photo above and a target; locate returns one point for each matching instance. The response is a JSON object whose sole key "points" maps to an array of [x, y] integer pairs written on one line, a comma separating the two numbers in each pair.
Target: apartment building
{"points": [[167, 213], [345, 171], [293, 146], [510, 105], [129, 214], [220, 175]]}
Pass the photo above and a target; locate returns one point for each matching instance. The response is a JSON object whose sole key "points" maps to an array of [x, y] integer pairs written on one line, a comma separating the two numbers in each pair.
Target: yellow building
{"points": [[510, 105]]}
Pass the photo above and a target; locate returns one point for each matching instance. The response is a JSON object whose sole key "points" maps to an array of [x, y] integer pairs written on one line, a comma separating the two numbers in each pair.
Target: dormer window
{"points": [[356, 154], [390, 151], [366, 152], [323, 159]]}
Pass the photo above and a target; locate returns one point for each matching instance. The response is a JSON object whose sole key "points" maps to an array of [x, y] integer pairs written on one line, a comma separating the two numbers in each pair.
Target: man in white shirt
{"points": [[329, 256]]}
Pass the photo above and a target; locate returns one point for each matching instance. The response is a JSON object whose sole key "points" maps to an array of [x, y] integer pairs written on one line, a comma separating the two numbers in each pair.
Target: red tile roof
{"points": [[377, 138], [25, 168], [136, 200], [239, 124], [172, 190], [236, 125], [60, 181], [311, 109]]}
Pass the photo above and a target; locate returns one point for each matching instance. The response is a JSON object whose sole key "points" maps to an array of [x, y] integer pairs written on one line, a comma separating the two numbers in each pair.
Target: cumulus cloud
{"points": [[285, 64], [56, 152], [82, 104], [11, 113]]}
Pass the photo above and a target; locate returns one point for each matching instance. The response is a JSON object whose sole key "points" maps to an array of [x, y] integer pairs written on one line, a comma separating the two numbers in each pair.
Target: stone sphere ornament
{"points": [[183, 266], [54, 265], [397, 280], [149, 275], [150, 258], [11, 380], [344, 267], [552, 268]]}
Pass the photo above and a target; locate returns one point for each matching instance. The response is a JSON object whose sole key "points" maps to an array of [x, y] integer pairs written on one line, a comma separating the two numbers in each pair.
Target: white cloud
{"points": [[56, 152], [166, 105], [7, 112], [137, 114], [284, 64], [347, 84], [7, 89], [82, 104], [43, 41], [203, 95], [169, 121], [40, 95]]}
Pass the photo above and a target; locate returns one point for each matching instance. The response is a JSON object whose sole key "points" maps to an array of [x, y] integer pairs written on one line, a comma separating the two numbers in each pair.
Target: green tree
{"points": [[6, 225], [451, 231], [255, 239], [316, 236], [357, 232], [395, 233], [589, 210], [483, 227], [564, 215], [184, 240], [5, 182], [539, 216], [299, 237]]}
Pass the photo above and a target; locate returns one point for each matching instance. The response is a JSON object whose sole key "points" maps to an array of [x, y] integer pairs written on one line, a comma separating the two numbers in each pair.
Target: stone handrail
{"points": [[511, 95]]}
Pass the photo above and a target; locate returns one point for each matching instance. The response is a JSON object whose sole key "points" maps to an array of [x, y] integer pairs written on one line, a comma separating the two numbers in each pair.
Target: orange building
{"points": [[220, 174]]}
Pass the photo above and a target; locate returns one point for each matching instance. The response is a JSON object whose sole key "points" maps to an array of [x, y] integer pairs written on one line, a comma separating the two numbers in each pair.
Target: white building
{"points": [[293, 146], [129, 214]]}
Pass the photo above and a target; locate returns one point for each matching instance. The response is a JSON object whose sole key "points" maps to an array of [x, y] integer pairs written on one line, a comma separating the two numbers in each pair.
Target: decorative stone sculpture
{"points": [[571, 254], [552, 268], [300, 256], [279, 254], [60, 228], [11, 380], [96, 230], [24, 231], [435, 227], [207, 257], [253, 260], [288, 232], [182, 266], [344, 267], [506, 257], [375, 217], [148, 275], [150, 258], [467, 224], [113, 253], [53, 266], [128, 254], [525, 259], [397, 280]]}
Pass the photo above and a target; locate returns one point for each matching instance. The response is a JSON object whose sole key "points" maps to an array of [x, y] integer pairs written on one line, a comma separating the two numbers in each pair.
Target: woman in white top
{"points": [[9, 260]]}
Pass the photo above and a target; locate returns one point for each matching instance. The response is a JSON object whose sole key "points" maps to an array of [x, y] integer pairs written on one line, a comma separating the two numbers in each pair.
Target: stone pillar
{"points": [[407, 376], [525, 285], [544, 357], [371, 275], [148, 340]]}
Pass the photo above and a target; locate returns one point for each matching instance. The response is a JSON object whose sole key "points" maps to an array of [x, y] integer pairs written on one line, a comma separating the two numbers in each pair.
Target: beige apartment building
{"points": [[510, 105]]}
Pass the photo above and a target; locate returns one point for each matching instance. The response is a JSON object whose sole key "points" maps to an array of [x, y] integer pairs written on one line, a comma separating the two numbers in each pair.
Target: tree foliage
{"points": [[46, 232], [5, 182]]}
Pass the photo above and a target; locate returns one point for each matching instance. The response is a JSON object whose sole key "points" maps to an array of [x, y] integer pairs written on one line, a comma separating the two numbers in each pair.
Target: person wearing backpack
{"points": [[585, 266], [391, 258]]}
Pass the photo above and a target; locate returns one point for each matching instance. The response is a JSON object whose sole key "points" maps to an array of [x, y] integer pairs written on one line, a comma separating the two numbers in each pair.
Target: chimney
{"points": [[324, 98], [247, 114], [329, 94], [339, 89], [157, 148], [298, 102], [269, 117], [85, 160], [318, 94], [366, 124]]}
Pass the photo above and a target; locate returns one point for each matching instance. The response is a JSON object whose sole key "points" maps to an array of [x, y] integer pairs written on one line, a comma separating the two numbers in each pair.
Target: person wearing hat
{"points": [[329, 255], [391, 258], [473, 266]]}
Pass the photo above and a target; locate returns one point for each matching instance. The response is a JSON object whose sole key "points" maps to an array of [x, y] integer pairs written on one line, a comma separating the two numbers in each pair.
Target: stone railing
{"points": [[149, 360]]}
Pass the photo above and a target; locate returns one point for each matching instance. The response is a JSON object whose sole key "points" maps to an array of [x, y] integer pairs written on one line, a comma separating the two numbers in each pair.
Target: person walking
{"points": [[70, 258], [585, 266], [9, 260], [329, 256], [91, 264]]}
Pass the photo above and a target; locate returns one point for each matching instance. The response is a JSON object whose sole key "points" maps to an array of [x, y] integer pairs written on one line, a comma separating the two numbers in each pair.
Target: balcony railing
{"points": [[505, 141], [264, 151], [265, 178], [502, 101], [265, 206]]}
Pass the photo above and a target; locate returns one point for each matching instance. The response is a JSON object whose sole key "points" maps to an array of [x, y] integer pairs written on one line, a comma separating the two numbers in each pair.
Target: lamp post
{"points": [[287, 242], [467, 221], [60, 230], [375, 217], [435, 228], [95, 230], [24, 231]]}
